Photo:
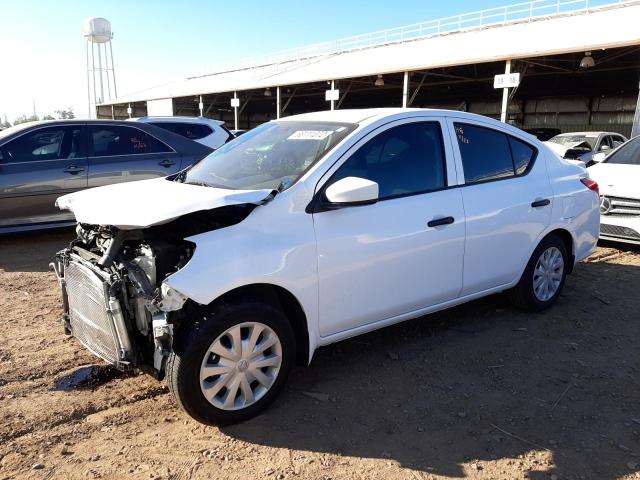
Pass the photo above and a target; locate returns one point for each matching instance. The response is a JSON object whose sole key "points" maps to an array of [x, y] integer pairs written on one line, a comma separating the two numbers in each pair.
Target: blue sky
{"points": [[158, 41]]}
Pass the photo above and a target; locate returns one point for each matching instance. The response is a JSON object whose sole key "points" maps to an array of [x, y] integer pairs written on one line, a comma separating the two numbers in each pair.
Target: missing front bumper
{"points": [[93, 312]]}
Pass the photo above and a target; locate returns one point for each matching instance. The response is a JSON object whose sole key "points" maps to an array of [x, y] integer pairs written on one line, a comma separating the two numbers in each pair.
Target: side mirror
{"points": [[352, 191], [599, 157]]}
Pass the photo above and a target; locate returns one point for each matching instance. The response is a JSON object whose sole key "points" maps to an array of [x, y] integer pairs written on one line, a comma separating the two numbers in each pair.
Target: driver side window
{"points": [[54, 143], [404, 160]]}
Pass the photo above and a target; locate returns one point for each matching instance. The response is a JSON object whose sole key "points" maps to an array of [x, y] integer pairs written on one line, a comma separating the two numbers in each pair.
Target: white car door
{"points": [[404, 252], [507, 200]]}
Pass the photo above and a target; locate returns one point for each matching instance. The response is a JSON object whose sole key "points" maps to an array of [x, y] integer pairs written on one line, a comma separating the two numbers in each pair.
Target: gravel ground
{"points": [[479, 391]]}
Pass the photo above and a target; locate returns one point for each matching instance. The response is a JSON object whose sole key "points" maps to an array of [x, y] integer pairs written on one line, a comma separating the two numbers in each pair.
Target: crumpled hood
{"points": [[562, 149], [145, 203], [616, 180]]}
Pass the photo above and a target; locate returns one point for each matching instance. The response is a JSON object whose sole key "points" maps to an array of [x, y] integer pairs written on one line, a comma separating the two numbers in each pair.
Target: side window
{"points": [[617, 141], [522, 153], [605, 144], [53, 143], [403, 160], [491, 155], [627, 155], [110, 140], [193, 131]]}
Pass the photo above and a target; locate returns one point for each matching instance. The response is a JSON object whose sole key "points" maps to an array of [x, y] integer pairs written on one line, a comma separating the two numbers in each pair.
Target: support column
{"points": [[405, 90], [277, 102], [113, 113], [635, 128], [505, 95], [201, 106], [333, 102], [129, 111], [235, 111]]}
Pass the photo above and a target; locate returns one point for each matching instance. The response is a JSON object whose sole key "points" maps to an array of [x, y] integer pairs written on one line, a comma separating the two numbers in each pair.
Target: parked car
{"points": [[584, 145], [39, 161], [206, 131], [312, 229], [237, 133], [543, 133], [619, 176]]}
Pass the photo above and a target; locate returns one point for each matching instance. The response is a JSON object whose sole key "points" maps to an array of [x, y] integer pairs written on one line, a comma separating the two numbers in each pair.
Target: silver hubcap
{"points": [[548, 274], [240, 366]]}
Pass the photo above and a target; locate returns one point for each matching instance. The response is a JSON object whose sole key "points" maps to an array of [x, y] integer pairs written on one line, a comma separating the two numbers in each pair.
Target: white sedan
{"points": [[206, 131], [312, 229], [619, 177]]}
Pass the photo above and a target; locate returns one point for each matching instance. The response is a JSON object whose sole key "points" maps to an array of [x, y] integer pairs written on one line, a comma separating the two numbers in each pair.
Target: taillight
{"points": [[591, 185]]}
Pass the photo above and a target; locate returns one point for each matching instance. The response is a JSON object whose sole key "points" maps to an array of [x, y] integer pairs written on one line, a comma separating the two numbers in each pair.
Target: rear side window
{"points": [[403, 160], [193, 131], [629, 154], [110, 140], [491, 155], [53, 143], [522, 154]]}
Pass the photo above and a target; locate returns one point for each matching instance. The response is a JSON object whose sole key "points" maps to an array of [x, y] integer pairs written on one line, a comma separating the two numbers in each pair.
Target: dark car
{"points": [[543, 133], [41, 161]]}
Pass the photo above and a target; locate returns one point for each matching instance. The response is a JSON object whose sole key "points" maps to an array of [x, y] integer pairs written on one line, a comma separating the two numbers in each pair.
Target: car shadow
{"points": [[32, 251], [555, 392]]}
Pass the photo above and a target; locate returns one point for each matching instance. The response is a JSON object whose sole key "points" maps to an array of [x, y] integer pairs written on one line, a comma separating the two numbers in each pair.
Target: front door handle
{"points": [[541, 203], [166, 163], [440, 221], [73, 169]]}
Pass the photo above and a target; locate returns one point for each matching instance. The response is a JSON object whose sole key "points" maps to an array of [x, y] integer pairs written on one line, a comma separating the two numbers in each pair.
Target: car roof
{"points": [[587, 134], [370, 115], [177, 119]]}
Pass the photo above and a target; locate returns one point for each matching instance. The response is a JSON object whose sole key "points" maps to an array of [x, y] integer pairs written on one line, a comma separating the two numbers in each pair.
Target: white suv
{"points": [[312, 229], [211, 133]]}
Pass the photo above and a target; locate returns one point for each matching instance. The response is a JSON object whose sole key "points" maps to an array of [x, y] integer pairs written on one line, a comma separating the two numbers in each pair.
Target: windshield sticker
{"points": [[310, 135]]}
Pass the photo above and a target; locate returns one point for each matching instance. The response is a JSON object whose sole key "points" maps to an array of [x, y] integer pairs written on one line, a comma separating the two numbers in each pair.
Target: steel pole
{"points": [[93, 74], [113, 71], [235, 112], [333, 87], [277, 102], [505, 94], [405, 90], [100, 73], [86, 49]]}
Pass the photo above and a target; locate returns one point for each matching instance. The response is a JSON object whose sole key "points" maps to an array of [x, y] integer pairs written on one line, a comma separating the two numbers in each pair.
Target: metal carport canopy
{"points": [[598, 28]]}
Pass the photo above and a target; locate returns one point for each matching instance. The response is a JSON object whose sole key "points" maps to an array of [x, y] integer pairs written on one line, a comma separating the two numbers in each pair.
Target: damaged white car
{"points": [[309, 230]]}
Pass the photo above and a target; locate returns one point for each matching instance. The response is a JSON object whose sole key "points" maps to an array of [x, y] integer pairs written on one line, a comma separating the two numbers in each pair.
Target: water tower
{"points": [[100, 70]]}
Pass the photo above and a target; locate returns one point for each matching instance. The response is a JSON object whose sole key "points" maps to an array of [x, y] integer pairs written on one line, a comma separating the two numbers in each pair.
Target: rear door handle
{"points": [[541, 203], [166, 162], [440, 221], [73, 169]]}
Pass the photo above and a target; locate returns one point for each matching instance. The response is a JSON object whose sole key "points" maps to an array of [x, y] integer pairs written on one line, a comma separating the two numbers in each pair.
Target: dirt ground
{"points": [[479, 391]]}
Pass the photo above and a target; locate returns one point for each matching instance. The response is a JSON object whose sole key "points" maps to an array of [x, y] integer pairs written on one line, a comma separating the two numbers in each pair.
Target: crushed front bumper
{"points": [[92, 304]]}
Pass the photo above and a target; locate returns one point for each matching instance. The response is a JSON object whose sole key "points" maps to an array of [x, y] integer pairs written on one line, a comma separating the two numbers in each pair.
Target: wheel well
{"points": [[567, 239], [283, 299]]}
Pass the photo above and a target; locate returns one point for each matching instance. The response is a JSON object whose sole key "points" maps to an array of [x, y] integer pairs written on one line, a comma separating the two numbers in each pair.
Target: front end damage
{"points": [[116, 300]]}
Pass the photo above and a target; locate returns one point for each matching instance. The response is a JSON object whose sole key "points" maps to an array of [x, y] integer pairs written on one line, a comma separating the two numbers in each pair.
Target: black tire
{"points": [[523, 294], [190, 346]]}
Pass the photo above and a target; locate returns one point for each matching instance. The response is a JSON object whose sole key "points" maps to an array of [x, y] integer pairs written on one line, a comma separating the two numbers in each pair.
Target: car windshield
{"points": [[575, 140], [274, 155], [627, 154]]}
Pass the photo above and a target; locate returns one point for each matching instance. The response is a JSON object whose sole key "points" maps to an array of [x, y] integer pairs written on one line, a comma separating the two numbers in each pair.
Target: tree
{"points": [[24, 119], [48, 117], [5, 123], [65, 114]]}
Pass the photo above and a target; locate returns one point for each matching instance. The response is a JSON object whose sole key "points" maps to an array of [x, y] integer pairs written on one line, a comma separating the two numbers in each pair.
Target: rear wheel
{"points": [[232, 362], [544, 276]]}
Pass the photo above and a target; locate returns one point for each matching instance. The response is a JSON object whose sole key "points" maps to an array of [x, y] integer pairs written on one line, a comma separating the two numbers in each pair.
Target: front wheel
{"points": [[544, 277], [231, 362]]}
